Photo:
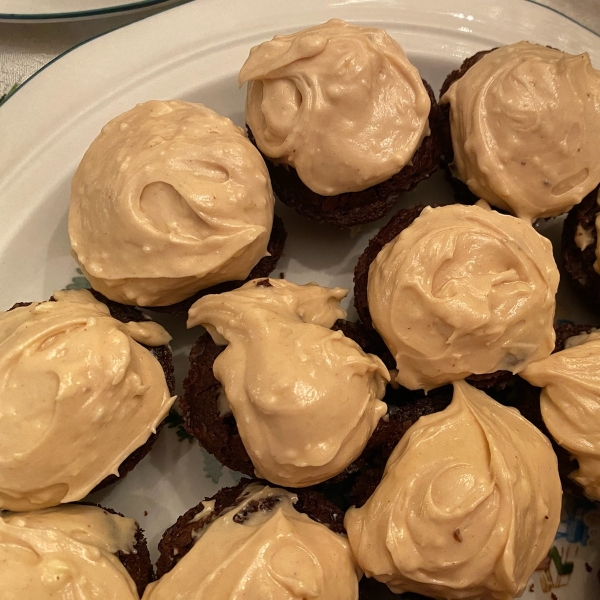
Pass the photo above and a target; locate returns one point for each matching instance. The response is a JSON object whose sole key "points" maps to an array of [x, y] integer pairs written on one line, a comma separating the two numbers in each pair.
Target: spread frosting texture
{"points": [[276, 553], [78, 394], [463, 290], [305, 399], [171, 198], [468, 506], [525, 122], [340, 103], [570, 403], [66, 553]]}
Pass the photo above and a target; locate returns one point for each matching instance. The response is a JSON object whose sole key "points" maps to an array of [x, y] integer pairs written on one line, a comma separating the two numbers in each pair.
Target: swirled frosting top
{"points": [[463, 290], [525, 123], [78, 394], [66, 553], [468, 506], [273, 552], [305, 399], [169, 199], [340, 103], [570, 403]]}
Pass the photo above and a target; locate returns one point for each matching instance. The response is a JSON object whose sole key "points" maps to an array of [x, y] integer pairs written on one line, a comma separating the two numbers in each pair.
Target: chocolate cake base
{"points": [[163, 354], [398, 223], [263, 268], [356, 208], [178, 539], [138, 563], [579, 264], [218, 434]]}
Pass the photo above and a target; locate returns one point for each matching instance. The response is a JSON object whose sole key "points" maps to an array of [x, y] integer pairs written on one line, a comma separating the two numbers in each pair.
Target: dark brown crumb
{"points": [[588, 567], [138, 563], [281, 275], [457, 535], [531, 588], [163, 354], [145, 513], [553, 596], [356, 208], [178, 539], [264, 283], [579, 264], [398, 223]]}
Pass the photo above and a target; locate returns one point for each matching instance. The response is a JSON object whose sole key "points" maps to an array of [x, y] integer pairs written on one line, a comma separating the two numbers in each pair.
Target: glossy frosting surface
{"points": [[463, 290], [468, 506], [78, 394], [340, 103], [279, 554], [169, 199], [570, 403], [66, 553], [525, 122], [306, 399]]}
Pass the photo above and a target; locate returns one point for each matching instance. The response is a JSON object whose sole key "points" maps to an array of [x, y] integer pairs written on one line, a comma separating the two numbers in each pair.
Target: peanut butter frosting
{"points": [[463, 290], [78, 394], [66, 553], [305, 399], [340, 103], [275, 553], [171, 198], [468, 506], [570, 403], [525, 123]]}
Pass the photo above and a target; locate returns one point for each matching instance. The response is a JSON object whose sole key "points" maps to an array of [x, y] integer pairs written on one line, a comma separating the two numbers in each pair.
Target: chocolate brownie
{"points": [[138, 563], [163, 354], [178, 539], [579, 264], [355, 208], [400, 221]]}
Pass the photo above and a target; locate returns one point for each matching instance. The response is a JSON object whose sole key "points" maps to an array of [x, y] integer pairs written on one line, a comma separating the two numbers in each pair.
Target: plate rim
{"points": [[127, 6]]}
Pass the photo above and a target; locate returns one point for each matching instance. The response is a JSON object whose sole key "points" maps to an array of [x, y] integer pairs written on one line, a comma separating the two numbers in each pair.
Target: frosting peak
{"points": [[463, 290], [277, 553], [525, 122], [340, 103], [570, 404], [171, 198], [65, 553], [468, 506], [288, 378], [78, 394]]}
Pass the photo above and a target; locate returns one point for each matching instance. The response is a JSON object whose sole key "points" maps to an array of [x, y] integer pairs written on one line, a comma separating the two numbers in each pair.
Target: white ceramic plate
{"points": [[45, 10], [194, 52]]}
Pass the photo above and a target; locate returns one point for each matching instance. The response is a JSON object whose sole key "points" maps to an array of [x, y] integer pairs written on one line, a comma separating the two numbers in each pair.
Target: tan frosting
{"points": [[66, 553], [525, 125], [570, 403], [288, 378], [468, 506], [169, 199], [78, 394], [340, 103], [463, 290], [279, 554]]}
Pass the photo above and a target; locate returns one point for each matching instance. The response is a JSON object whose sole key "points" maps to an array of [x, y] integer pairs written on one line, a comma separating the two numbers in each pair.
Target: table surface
{"points": [[26, 47]]}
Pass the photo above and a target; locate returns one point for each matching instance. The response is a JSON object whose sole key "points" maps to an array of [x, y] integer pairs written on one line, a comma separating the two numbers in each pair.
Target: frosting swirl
{"points": [[288, 378], [468, 505], [170, 198], [340, 103], [525, 122], [570, 403], [78, 394], [279, 554], [65, 553], [463, 290]]}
